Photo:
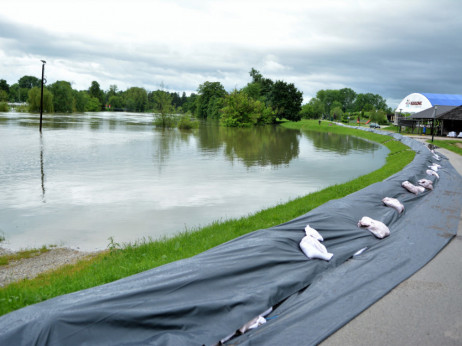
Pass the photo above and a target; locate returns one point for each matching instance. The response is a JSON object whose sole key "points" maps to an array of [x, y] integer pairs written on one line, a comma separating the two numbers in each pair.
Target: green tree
{"points": [[116, 102], [367, 102], [28, 82], [34, 100], [347, 98], [3, 96], [208, 102], [164, 109], [93, 105], [240, 110], [81, 99], [4, 86], [135, 99], [286, 100], [379, 117], [18, 94], [63, 97], [95, 91], [336, 112]]}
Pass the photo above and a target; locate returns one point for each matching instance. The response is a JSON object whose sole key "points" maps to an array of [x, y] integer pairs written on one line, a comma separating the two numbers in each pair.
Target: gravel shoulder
{"points": [[29, 268]]}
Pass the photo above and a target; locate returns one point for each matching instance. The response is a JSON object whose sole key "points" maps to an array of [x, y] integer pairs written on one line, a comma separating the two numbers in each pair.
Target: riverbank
{"points": [[134, 258]]}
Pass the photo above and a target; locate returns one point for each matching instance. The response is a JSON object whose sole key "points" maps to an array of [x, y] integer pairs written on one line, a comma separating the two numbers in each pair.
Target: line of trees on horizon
{"points": [[261, 101]]}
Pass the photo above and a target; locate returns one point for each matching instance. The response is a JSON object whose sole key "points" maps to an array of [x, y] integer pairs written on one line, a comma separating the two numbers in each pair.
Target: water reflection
{"points": [[115, 174], [258, 146], [341, 144], [42, 172]]}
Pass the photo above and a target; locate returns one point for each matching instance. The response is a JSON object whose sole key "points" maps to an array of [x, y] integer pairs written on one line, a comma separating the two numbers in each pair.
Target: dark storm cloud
{"points": [[389, 51]]}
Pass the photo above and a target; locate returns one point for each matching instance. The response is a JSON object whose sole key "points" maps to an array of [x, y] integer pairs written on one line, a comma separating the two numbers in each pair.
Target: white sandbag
{"points": [[255, 322], [312, 248], [428, 184], [252, 324], [412, 188], [377, 228], [432, 172], [393, 203], [313, 233]]}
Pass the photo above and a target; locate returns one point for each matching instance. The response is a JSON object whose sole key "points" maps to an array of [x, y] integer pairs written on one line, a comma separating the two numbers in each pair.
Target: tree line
{"points": [[261, 101]]}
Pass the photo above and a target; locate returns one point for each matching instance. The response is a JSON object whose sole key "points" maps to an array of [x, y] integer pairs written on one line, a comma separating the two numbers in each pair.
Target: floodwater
{"points": [[92, 176]]}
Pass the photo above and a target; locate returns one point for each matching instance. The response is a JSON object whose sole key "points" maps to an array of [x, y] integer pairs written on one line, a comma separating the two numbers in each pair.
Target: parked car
{"points": [[374, 125]]}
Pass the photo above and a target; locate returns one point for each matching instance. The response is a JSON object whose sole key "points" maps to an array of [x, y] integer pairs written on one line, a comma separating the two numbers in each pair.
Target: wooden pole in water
{"points": [[41, 94]]}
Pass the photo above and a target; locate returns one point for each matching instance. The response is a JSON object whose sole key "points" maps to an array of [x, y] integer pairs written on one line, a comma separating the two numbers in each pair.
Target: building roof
{"points": [[453, 114], [444, 99], [428, 113]]}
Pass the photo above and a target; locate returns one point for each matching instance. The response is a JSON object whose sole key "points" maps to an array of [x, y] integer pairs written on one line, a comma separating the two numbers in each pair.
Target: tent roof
{"points": [[444, 99]]}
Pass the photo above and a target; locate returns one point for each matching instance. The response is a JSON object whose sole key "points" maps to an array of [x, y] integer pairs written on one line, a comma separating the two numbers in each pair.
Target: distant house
{"points": [[446, 119]]}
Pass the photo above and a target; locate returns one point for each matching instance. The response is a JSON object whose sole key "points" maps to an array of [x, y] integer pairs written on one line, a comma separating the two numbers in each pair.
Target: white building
{"points": [[417, 102]]}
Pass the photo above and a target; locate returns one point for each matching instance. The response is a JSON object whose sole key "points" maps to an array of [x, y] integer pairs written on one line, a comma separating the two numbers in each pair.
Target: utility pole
{"points": [[433, 121], [41, 94]]}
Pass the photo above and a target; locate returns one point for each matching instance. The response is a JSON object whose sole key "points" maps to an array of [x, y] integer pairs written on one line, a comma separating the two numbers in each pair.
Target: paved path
{"points": [[425, 309]]}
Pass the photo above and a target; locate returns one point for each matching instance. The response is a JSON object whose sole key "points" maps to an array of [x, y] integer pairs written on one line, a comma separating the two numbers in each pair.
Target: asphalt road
{"points": [[425, 309]]}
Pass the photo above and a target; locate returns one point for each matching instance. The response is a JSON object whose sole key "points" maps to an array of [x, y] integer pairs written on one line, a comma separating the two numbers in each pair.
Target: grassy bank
{"points": [[117, 263], [452, 145]]}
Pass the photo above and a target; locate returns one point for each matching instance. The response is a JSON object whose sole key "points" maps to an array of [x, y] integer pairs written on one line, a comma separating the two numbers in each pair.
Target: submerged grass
{"points": [[118, 262]]}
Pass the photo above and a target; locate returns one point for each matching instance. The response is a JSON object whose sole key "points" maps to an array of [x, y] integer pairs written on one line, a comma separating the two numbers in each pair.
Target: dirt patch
{"points": [[29, 268]]}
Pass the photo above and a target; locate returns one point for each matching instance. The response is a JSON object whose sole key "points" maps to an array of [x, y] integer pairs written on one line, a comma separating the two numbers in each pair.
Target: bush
{"points": [[186, 123], [4, 107], [164, 120]]}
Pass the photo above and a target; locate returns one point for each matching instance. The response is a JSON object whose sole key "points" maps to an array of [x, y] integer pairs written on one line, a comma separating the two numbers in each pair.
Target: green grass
{"points": [[118, 262], [449, 145]]}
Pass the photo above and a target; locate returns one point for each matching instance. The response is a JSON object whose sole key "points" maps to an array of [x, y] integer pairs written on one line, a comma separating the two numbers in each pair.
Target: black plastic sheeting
{"points": [[201, 300]]}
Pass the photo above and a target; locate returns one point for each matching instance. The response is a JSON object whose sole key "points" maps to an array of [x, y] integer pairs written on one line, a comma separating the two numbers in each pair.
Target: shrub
{"points": [[4, 107], [186, 123]]}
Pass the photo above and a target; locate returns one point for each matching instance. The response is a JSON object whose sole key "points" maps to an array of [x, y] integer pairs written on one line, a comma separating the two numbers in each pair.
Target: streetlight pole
{"points": [[41, 94], [433, 120]]}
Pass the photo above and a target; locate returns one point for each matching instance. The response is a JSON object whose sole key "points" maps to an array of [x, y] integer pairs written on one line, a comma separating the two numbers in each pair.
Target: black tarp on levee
{"points": [[200, 300]]}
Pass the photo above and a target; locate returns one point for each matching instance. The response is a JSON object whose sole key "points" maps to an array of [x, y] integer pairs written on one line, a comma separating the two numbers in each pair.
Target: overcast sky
{"points": [[392, 48]]}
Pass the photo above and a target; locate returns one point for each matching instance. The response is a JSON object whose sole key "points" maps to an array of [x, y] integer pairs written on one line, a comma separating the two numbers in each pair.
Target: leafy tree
{"points": [[3, 96], [313, 109], [63, 97], [136, 99], [190, 104], [81, 99], [208, 102], [240, 110], [164, 108], [28, 82], [347, 98], [367, 102], [34, 100], [4, 86], [336, 112], [286, 100], [18, 94], [93, 105], [265, 84], [116, 102], [95, 91], [379, 117]]}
